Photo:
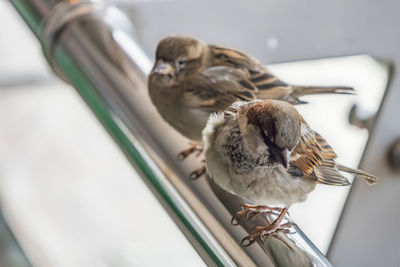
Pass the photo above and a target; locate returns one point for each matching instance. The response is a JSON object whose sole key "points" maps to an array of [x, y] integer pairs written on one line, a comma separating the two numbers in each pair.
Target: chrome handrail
{"points": [[91, 45]]}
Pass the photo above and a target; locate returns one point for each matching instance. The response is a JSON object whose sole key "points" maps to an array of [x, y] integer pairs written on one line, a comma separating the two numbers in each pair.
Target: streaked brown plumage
{"points": [[191, 79], [266, 153]]}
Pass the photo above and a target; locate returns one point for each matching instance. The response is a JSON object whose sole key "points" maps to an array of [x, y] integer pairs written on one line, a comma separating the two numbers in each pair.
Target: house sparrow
{"points": [[191, 79], [265, 152]]}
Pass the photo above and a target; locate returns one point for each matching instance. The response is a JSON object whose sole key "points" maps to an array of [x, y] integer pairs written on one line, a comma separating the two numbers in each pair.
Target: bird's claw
{"points": [[263, 233], [193, 148], [247, 241], [249, 211], [197, 173]]}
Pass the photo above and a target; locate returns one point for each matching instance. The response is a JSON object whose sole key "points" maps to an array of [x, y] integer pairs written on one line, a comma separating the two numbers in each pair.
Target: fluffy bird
{"points": [[191, 79], [266, 153]]}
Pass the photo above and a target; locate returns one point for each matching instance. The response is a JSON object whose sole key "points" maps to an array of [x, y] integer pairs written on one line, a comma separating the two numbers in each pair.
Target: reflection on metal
{"points": [[90, 45]]}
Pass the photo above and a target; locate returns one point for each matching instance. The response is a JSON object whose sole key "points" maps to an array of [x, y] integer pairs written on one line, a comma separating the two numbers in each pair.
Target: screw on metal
{"points": [[361, 118]]}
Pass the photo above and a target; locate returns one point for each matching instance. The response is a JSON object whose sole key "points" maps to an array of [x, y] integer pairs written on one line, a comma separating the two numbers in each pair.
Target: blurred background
{"points": [[70, 197], [67, 192]]}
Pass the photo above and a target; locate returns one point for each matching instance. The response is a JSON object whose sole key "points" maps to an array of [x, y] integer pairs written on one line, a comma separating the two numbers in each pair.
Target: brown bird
{"points": [[191, 79], [265, 152]]}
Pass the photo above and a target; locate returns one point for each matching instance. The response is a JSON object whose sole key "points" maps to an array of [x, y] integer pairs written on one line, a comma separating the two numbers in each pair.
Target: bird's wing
{"points": [[267, 84], [315, 158], [216, 88]]}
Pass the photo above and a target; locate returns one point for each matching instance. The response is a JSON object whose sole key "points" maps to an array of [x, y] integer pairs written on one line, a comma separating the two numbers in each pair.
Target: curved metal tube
{"points": [[91, 46]]}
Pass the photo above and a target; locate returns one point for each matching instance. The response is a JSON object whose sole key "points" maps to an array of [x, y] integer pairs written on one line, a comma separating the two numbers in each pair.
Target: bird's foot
{"points": [[198, 173], [249, 211], [264, 232], [193, 148]]}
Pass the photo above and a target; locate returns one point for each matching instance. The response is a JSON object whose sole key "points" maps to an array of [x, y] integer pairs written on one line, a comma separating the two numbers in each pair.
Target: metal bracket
{"points": [[52, 26]]}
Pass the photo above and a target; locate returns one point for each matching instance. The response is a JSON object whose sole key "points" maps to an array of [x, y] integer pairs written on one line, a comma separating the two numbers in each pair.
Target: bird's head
{"points": [[270, 127], [178, 57]]}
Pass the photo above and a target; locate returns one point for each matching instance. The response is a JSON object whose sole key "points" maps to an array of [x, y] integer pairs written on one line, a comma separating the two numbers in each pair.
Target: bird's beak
{"points": [[162, 68], [284, 157]]}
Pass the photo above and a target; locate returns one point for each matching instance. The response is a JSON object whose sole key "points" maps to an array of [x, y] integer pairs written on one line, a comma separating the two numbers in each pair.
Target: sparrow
{"points": [[191, 79], [267, 154]]}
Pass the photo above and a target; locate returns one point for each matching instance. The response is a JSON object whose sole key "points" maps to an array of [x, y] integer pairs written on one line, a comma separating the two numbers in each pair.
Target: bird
{"points": [[191, 79], [265, 152]]}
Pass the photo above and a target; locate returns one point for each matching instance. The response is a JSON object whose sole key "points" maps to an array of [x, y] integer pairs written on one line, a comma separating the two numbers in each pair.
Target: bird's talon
{"points": [[243, 213], [193, 148], [182, 155], [197, 173], [249, 211], [285, 226], [286, 231], [250, 214], [234, 221], [236, 217], [247, 241], [264, 232]]}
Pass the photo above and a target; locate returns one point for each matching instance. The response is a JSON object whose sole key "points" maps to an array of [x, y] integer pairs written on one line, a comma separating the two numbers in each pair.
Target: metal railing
{"points": [[91, 46]]}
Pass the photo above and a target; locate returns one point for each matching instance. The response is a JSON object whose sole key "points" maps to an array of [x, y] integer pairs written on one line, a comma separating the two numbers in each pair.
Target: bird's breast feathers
{"points": [[258, 184]]}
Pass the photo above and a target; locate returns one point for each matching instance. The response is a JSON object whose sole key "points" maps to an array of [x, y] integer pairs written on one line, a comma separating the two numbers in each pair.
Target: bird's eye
{"points": [[181, 62]]}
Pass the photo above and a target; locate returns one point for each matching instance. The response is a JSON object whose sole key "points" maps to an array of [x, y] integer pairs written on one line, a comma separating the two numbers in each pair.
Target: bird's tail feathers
{"points": [[312, 90], [369, 178], [330, 176]]}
